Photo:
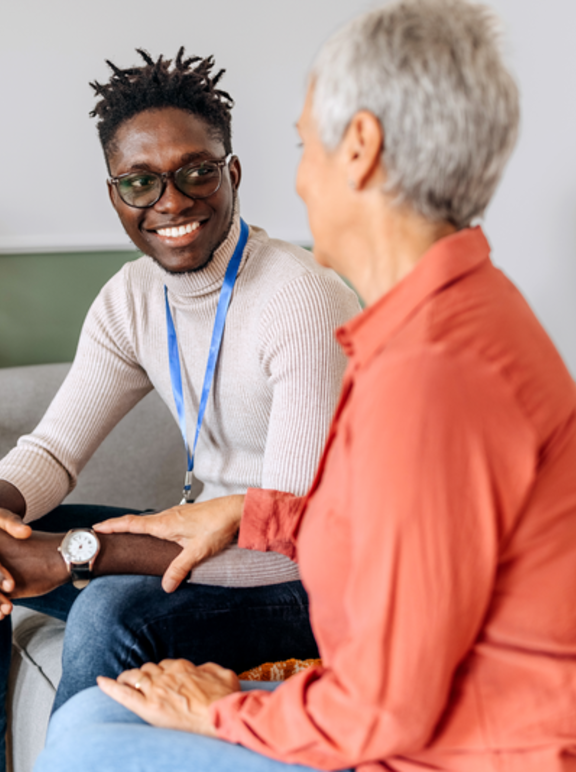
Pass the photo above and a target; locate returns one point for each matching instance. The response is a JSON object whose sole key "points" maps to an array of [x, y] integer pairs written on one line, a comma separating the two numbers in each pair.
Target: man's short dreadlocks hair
{"points": [[156, 85]]}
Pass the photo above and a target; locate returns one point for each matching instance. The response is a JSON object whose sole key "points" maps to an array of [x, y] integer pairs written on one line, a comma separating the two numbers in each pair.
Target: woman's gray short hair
{"points": [[433, 74]]}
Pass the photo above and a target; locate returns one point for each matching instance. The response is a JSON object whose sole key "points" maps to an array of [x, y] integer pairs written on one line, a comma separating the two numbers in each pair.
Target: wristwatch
{"points": [[79, 549]]}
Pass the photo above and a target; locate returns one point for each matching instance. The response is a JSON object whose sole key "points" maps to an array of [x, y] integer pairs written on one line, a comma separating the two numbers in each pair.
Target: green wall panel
{"points": [[44, 299]]}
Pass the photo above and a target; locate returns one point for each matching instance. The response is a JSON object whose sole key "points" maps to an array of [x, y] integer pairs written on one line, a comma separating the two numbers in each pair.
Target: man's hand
{"points": [[174, 694], [12, 506], [202, 530], [35, 563]]}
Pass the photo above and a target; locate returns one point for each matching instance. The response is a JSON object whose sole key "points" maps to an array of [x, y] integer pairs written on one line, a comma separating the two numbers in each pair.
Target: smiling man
{"points": [[148, 201], [165, 131]]}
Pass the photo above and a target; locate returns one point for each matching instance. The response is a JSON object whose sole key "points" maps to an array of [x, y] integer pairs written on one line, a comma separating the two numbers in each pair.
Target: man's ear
{"points": [[363, 144], [111, 193], [235, 171]]}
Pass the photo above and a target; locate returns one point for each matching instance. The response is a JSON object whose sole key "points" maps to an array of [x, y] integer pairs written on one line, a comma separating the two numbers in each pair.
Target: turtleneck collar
{"points": [[208, 279]]}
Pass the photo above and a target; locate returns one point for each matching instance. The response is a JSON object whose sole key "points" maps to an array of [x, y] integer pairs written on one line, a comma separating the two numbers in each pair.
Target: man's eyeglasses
{"points": [[195, 180]]}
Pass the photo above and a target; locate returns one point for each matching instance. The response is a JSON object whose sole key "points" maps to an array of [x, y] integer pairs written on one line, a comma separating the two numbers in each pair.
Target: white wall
{"points": [[49, 50], [531, 222]]}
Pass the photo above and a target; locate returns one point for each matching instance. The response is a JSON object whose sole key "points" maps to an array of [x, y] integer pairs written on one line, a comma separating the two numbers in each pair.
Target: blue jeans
{"points": [[92, 733], [121, 622]]}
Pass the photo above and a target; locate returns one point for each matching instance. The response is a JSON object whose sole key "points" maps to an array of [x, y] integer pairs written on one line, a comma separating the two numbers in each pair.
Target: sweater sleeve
{"points": [[305, 365], [104, 383], [270, 521], [431, 490]]}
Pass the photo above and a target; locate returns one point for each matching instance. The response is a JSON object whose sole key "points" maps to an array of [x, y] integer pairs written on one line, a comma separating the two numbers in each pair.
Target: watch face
{"points": [[81, 546]]}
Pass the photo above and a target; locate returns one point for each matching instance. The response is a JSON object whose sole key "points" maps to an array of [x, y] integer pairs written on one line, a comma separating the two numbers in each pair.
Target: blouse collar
{"points": [[446, 261]]}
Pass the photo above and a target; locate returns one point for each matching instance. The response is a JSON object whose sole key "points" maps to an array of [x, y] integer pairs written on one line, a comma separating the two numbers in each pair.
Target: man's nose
{"points": [[173, 200]]}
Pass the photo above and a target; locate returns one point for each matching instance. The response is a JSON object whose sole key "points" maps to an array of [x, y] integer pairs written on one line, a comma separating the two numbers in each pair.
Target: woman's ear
{"points": [[363, 144]]}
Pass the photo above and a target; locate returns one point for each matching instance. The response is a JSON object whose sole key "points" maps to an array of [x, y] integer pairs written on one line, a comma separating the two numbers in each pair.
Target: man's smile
{"points": [[179, 230], [178, 235]]}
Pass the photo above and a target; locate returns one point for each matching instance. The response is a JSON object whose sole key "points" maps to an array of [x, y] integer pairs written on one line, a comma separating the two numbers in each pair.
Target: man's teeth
{"points": [[182, 230]]}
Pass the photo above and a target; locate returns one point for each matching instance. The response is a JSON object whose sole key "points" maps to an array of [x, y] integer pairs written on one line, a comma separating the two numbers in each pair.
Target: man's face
{"points": [[162, 141]]}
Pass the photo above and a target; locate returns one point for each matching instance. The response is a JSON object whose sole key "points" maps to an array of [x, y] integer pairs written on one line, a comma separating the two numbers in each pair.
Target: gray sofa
{"points": [[139, 465]]}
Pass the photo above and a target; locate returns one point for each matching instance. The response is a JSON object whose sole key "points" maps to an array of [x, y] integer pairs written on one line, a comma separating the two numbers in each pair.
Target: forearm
{"points": [[38, 567], [128, 553], [203, 530], [11, 498]]}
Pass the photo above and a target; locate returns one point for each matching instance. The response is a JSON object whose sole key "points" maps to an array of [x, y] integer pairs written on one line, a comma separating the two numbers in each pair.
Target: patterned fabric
{"points": [[278, 671]]}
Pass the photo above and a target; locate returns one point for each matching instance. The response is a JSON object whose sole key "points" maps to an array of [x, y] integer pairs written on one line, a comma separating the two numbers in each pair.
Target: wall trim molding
{"points": [[98, 242]]}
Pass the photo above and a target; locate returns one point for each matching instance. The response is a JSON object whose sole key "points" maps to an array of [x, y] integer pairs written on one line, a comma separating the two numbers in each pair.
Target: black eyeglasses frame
{"points": [[165, 176]]}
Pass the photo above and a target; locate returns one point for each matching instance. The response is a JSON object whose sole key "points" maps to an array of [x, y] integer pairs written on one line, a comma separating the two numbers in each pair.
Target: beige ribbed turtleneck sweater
{"points": [[272, 398]]}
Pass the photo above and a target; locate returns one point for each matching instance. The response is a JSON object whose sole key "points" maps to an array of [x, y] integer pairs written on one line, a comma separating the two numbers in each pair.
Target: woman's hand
{"points": [[202, 530], [174, 694]]}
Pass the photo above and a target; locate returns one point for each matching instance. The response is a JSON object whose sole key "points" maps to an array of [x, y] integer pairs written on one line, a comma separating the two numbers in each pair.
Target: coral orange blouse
{"points": [[437, 544]]}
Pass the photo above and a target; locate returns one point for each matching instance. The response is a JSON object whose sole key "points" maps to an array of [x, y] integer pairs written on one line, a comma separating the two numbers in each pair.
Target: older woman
{"points": [[438, 541]]}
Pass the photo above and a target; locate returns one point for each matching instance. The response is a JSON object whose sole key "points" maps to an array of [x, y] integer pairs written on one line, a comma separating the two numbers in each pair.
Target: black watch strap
{"points": [[81, 575]]}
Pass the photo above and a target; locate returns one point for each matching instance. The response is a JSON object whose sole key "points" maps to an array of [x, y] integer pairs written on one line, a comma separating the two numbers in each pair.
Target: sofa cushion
{"points": [[35, 672], [38, 638]]}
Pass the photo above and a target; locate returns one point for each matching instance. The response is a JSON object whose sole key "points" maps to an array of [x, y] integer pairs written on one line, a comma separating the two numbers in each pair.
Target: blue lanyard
{"points": [[215, 344]]}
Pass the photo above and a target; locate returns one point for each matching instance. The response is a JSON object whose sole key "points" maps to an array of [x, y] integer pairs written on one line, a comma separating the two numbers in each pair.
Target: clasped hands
{"points": [[31, 564], [202, 530], [175, 693]]}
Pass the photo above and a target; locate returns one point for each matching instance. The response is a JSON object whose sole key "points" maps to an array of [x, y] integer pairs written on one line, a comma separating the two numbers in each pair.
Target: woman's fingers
{"points": [[223, 674], [124, 524], [155, 693], [138, 675], [126, 695], [179, 569], [151, 670], [147, 524], [202, 530], [214, 669], [130, 677]]}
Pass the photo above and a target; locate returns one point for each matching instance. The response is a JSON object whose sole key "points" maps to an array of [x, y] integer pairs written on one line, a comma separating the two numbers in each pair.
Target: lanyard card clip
{"points": [[187, 497]]}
